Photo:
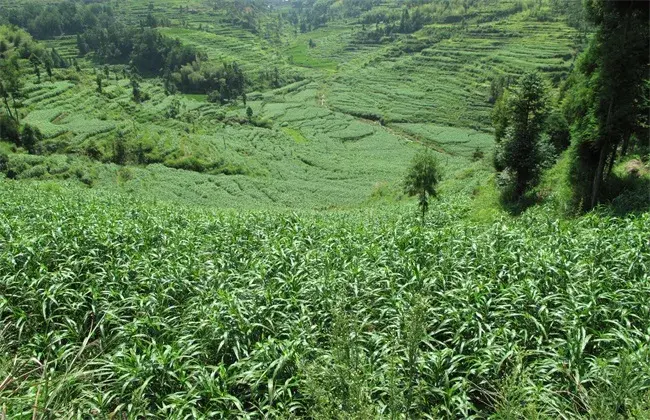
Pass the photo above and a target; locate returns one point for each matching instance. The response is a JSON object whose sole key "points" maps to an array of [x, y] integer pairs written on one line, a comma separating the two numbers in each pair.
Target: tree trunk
{"points": [[6, 101], [612, 160], [626, 143], [598, 176], [16, 116]]}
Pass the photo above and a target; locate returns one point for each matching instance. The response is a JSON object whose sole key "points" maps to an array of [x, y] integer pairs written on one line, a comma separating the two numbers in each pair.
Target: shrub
{"points": [[9, 129], [4, 161], [557, 129]]}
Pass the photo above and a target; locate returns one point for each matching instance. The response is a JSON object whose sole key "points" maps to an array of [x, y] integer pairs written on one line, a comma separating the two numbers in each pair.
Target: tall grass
{"points": [[110, 307]]}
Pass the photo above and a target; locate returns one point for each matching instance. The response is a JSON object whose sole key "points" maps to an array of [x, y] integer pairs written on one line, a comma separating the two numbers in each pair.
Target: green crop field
{"points": [[116, 306], [209, 210]]}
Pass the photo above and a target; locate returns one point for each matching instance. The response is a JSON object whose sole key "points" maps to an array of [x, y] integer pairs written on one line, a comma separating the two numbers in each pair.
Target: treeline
{"points": [[608, 96], [308, 15], [143, 47], [65, 18], [601, 114], [69, 17]]}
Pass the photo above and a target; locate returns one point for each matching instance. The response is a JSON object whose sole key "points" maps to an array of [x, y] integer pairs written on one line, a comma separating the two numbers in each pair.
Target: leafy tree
{"points": [[135, 88], [249, 113], [99, 81], [119, 149], [524, 113], [422, 178], [11, 85], [174, 108], [9, 129], [82, 45], [557, 129], [37, 70], [48, 69], [605, 106]]}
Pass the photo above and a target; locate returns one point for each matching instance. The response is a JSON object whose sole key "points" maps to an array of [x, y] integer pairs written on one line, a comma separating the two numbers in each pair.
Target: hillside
{"points": [[324, 209], [317, 142]]}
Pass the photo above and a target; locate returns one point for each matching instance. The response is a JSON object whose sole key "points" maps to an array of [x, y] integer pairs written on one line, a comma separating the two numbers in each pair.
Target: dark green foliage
{"points": [[93, 151], [422, 178], [48, 69], [249, 113], [174, 109], [99, 80], [4, 162], [518, 150], [119, 149], [604, 104], [9, 129], [498, 86], [29, 138], [557, 129], [222, 83], [11, 85], [136, 92], [35, 61]]}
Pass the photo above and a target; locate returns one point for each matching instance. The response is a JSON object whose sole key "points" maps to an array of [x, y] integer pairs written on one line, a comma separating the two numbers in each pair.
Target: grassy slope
{"points": [[341, 160]]}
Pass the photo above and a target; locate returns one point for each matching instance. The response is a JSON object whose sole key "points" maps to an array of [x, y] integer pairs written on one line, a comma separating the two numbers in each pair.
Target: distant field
{"points": [[321, 142]]}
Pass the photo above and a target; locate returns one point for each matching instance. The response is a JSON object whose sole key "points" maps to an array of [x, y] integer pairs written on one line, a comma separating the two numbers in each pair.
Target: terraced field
{"points": [[447, 83], [340, 137]]}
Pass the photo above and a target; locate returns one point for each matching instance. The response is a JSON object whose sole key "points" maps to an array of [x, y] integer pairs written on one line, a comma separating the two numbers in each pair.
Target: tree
{"points": [[35, 62], [9, 129], [422, 178], [99, 80], [525, 114], [82, 46], [119, 149], [11, 86], [605, 107], [174, 108], [249, 113], [135, 87], [48, 69]]}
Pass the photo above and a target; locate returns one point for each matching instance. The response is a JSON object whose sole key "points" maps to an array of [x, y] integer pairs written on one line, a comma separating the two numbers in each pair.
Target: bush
{"points": [[30, 137], [9, 130], [189, 163], [557, 129], [4, 162], [35, 172]]}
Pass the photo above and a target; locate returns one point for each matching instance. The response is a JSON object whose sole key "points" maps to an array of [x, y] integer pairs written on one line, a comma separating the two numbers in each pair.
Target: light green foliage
{"points": [[116, 306]]}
